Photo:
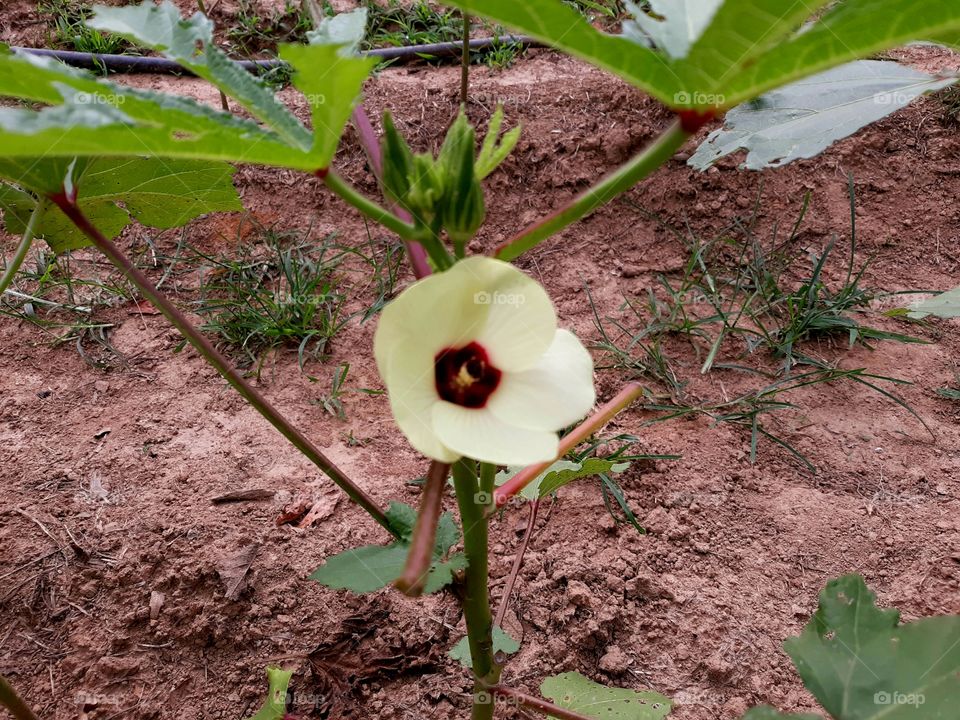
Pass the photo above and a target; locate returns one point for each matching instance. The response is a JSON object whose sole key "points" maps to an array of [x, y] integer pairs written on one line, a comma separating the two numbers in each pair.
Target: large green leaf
{"points": [[88, 117], [673, 25], [329, 78], [346, 29], [559, 25], [944, 305], [573, 691], [158, 193], [749, 46], [330, 81], [803, 119], [851, 29], [371, 567], [740, 32], [861, 664], [190, 43], [95, 117]]}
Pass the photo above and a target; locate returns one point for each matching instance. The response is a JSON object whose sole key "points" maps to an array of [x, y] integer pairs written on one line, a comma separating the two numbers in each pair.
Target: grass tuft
{"points": [[767, 299], [282, 292], [68, 31]]}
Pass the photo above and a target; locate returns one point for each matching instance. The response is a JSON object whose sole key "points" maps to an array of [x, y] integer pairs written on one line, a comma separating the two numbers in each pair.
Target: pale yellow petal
{"points": [[554, 393], [481, 435]]}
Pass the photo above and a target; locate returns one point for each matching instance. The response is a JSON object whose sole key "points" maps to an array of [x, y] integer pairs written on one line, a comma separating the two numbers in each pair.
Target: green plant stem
{"points": [[369, 208], [12, 702], [612, 185], [409, 233], [621, 401], [420, 556], [476, 600], [220, 364], [24, 247]]}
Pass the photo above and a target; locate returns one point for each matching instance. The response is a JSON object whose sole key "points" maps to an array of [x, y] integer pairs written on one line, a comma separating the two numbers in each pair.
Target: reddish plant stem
{"points": [[517, 563], [67, 204], [12, 702], [371, 146], [420, 557], [629, 393], [535, 703]]}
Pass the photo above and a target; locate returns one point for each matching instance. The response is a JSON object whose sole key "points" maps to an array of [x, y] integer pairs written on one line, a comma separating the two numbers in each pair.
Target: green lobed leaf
{"points": [[448, 535], [803, 119], [749, 46], [95, 117], [331, 83], [559, 25], [158, 193], [849, 30], [741, 32], [190, 43], [372, 567], [275, 706], [944, 305], [672, 25], [402, 518], [573, 691], [502, 643], [346, 29], [561, 473], [861, 664], [363, 569]]}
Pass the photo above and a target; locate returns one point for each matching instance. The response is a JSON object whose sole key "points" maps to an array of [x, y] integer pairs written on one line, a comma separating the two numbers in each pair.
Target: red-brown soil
{"points": [[107, 477]]}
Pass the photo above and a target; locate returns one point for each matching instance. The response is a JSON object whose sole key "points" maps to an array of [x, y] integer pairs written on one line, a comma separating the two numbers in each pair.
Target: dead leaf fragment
{"points": [[233, 568], [295, 510], [322, 509]]}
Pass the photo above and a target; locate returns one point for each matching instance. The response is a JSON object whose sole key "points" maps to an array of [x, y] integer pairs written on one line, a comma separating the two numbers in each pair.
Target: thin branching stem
{"points": [[517, 564], [368, 207], [219, 363]]}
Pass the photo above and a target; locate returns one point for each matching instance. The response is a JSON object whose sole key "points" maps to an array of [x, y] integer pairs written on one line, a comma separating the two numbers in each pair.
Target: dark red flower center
{"points": [[465, 376]]}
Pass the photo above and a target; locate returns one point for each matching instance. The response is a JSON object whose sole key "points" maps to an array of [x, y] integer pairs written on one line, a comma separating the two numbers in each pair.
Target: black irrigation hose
{"points": [[137, 64]]}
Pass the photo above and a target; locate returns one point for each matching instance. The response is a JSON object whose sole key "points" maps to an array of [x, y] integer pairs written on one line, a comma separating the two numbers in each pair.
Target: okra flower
{"points": [[475, 366]]}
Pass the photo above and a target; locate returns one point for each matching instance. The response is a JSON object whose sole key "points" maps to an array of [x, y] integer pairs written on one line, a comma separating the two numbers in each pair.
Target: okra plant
{"points": [[480, 374]]}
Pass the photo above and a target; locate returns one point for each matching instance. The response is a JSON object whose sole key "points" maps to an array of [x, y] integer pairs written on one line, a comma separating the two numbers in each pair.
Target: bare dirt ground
{"points": [[107, 477]]}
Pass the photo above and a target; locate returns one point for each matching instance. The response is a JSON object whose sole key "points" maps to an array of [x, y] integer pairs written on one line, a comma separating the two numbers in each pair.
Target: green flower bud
{"points": [[398, 163], [462, 208]]}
